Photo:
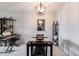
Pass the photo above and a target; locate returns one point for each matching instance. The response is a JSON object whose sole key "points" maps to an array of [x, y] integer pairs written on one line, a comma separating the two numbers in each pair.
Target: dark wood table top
{"points": [[40, 37], [39, 43]]}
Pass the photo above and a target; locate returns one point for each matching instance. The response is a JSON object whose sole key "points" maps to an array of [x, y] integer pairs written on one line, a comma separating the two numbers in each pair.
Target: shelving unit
{"points": [[55, 33], [6, 24]]}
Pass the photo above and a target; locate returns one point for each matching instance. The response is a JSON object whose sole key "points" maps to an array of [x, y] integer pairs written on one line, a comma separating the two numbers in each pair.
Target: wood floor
{"points": [[57, 51], [21, 51]]}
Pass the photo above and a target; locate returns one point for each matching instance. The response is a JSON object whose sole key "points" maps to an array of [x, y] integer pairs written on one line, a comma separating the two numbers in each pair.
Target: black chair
{"points": [[39, 50]]}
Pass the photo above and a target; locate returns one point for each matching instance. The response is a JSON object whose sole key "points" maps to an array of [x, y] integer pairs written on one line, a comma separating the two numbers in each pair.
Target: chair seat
{"points": [[39, 51]]}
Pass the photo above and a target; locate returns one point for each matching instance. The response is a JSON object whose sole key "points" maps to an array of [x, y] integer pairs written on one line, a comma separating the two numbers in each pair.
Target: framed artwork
{"points": [[40, 25]]}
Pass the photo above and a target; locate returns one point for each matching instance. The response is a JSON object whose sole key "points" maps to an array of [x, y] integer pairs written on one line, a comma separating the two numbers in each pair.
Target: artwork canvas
{"points": [[40, 25]]}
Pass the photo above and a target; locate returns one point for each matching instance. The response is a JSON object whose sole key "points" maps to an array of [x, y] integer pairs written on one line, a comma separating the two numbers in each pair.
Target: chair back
{"points": [[40, 36]]}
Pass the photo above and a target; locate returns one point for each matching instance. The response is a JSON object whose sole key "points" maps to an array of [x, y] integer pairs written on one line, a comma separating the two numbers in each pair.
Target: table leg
{"points": [[51, 50], [27, 50], [5, 43], [31, 50], [7, 49]]}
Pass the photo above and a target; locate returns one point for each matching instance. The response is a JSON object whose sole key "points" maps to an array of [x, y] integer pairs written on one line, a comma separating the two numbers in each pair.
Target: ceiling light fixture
{"points": [[40, 9]]}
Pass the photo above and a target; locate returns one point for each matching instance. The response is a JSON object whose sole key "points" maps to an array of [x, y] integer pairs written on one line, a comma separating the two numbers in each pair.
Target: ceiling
{"points": [[29, 6]]}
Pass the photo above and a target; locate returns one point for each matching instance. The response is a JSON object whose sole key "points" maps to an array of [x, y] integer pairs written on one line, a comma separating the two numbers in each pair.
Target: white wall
{"points": [[16, 16], [26, 24], [68, 18]]}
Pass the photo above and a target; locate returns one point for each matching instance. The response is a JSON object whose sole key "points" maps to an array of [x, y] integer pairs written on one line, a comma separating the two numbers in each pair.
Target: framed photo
{"points": [[40, 25]]}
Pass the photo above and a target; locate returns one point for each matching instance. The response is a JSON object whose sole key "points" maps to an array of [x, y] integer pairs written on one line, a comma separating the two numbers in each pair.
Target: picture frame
{"points": [[41, 25]]}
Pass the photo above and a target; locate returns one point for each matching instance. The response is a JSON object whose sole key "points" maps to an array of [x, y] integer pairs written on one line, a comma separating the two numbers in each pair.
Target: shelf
{"points": [[6, 24], [55, 33]]}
